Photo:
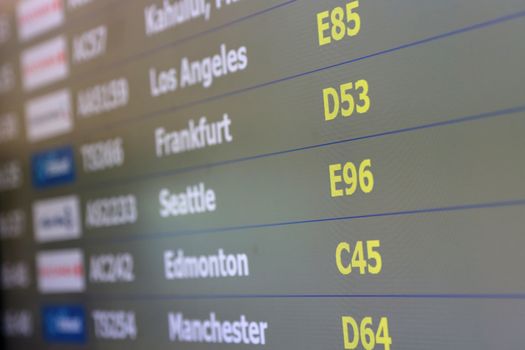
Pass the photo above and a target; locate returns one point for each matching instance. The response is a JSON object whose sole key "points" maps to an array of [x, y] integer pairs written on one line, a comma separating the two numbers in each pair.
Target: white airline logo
{"points": [[61, 271], [44, 63], [36, 17], [48, 116], [57, 219]]}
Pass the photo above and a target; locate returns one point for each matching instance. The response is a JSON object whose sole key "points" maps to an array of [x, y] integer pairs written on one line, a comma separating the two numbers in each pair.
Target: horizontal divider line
{"points": [[96, 238], [153, 297], [459, 120], [462, 30], [92, 72], [128, 59], [186, 39]]}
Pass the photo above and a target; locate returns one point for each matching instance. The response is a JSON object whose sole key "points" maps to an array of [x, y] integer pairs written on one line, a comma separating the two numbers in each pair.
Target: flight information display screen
{"points": [[249, 174]]}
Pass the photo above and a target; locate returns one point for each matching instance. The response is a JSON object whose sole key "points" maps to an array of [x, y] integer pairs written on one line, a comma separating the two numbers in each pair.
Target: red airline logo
{"points": [[44, 63], [61, 271], [36, 17]]}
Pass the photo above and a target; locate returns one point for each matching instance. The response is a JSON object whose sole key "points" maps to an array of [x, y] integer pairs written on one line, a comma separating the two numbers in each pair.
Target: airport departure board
{"points": [[262, 174]]}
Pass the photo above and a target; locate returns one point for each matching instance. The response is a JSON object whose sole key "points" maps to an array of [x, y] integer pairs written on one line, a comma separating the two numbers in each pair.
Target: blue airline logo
{"points": [[53, 167], [64, 324]]}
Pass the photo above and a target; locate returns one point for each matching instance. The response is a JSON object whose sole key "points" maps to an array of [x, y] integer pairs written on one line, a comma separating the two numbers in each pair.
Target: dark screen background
{"points": [[310, 138]]}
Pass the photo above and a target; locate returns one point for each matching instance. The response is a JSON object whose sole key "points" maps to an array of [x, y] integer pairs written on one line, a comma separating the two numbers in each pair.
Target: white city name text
{"points": [[214, 331], [197, 135], [173, 13], [198, 72], [206, 70], [197, 199], [179, 266]]}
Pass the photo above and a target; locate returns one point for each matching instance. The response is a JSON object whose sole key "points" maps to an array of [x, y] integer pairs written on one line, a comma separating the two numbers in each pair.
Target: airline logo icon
{"points": [[64, 324], [36, 17], [44, 63], [54, 167], [57, 219], [61, 271], [48, 116]]}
